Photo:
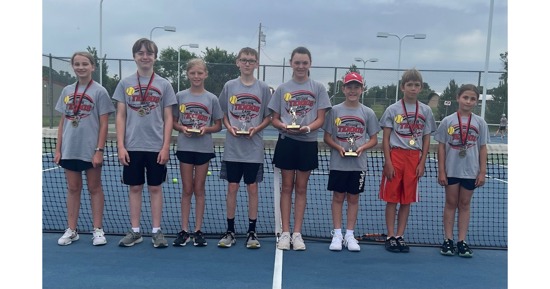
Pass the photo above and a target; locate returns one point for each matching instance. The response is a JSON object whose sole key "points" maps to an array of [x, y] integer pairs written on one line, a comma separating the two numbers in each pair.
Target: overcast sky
{"points": [[336, 32]]}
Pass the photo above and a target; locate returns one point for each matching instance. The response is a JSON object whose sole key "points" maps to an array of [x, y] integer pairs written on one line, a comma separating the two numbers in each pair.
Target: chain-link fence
{"points": [[57, 73]]}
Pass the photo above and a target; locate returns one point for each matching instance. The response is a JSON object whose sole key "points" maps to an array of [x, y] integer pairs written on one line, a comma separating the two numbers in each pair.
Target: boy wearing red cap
{"points": [[350, 129]]}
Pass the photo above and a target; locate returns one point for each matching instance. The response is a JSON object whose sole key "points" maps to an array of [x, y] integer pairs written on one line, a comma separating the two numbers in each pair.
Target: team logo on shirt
{"points": [[194, 113], [349, 126], [141, 103], [76, 108], [456, 139], [245, 106], [302, 100]]}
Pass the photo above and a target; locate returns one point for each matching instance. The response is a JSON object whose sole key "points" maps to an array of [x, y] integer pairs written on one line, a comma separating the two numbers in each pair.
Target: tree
{"points": [[167, 66], [448, 94], [221, 68], [499, 104]]}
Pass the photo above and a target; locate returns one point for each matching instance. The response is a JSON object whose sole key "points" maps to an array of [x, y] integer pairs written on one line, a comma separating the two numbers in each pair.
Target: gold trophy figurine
{"points": [[195, 127], [293, 125], [351, 148], [243, 130]]}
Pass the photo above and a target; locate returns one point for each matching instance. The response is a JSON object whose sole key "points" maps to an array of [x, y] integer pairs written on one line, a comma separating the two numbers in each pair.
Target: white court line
{"points": [[278, 263], [54, 168], [278, 269]]}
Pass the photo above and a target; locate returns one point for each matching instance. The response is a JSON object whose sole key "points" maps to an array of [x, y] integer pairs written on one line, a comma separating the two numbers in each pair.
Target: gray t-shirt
{"points": [[403, 124], [144, 111], [343, 122], [80, 142], [244, 104], [201, 110], [449, 133], [306, 98]]}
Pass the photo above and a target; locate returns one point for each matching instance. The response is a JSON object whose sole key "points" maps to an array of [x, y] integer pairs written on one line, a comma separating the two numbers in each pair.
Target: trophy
{"points": [[195, 127], [293, 125], [243, 130], [351, 148]]}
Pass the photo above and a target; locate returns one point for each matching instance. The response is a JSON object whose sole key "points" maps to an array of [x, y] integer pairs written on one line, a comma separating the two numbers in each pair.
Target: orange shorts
{"points": [[403, 187]]}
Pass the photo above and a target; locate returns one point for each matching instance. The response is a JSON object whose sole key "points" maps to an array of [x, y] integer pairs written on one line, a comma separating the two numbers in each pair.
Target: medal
{"points": [[412, 127], [412, 142], [462, 152], [76, 106], [74, 122], [141, 111]]}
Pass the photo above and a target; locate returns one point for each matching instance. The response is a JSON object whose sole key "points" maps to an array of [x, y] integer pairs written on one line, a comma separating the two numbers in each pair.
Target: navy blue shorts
{"points": [[351, 182], [233, 172], [76, 165], [194, 158], [142, 164], [291, 154], [469, 184]]}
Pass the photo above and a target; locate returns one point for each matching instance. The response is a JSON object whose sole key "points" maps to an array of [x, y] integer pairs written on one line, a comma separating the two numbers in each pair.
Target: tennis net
{"points": [[489, 208]]}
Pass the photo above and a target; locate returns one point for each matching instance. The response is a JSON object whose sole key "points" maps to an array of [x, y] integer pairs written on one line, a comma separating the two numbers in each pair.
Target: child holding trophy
{"points": [[298, 110], [196, 116], [350, 129]]}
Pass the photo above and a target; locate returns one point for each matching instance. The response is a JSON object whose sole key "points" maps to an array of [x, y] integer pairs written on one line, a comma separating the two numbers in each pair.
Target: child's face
{"points": [[82, 66], [247, 63], [353, 91], [467, 101], [197, 74], [144, 59], [411, 89], [300, 64]]}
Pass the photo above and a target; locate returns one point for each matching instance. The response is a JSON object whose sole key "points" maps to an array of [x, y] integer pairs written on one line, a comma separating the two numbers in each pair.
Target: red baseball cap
{"points": [[353, 76]]}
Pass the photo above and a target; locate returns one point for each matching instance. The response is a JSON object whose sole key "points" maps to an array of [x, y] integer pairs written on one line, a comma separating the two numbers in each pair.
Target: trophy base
{"points": [[292, 126], [193, 130], [242, 132], [350, 154]]}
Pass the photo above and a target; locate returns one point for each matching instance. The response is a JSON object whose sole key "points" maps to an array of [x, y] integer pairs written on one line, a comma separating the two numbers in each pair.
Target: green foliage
{"points": [[167, 66], [221, 68]]}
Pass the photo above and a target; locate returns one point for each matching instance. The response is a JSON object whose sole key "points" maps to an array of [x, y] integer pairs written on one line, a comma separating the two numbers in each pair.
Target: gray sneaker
{"points": [[227, 240], [130, 239], [159, 241], [252, 241]]}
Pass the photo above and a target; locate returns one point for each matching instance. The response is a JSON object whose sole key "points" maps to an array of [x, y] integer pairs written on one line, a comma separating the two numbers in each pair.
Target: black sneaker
{"points": [[464, 250], [403, 247], [199, 239], [448, 248], [182, 239], [391, 245]]}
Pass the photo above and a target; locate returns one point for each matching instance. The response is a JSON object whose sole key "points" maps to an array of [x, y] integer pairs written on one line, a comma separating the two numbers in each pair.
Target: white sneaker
{"points": [[68, 237], [352, 243], [336, 244], [284, 241], [298, 242], [98, 237]]}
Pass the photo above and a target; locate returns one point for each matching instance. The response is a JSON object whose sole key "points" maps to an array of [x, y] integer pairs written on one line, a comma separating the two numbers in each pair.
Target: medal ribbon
{"points": [[76, 107], [147, 89], [463, 135], [413, 135]]}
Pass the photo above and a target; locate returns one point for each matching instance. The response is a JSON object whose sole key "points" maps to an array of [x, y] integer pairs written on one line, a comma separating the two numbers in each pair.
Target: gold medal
{"points": [[74, 123], [141, 111], [412, 142]]}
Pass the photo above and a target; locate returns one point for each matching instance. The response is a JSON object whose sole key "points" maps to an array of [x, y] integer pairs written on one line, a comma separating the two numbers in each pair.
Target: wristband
{"points": [[308, 129], [99, 150]]}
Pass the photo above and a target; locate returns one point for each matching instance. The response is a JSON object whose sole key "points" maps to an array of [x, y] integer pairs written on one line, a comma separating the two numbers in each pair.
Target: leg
{"points": [[353, 209], [231, 200], [74, 190], [451, 204], [200, 192], [390, 218], [300, 199], [402, 216], [337, 204], [97, 197], [252, 201], [464, 200], [286, 197], [135, 204], [186, 172], [155, 195]]}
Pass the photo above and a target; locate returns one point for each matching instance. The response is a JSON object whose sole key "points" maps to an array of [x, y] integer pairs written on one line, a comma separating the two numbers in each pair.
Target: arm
{"points": [[480, 180], [265, 122], [369, 144], [315, 125], [425, 150], [57, 155], [216, 127], [276, 121], [441, 155], [102, 137], [327, 137], [227, 125], [123, 156], [389, 171], [164, 154]]}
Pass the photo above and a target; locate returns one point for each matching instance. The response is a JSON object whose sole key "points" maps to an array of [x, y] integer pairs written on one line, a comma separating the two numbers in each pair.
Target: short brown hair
{"points": [[148, 44]]}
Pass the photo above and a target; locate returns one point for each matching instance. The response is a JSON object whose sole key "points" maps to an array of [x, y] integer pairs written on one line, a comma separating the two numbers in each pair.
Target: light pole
{"points": [[415, 36], [359, 59], [179, 74], [166, 28], [100, 42]]}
